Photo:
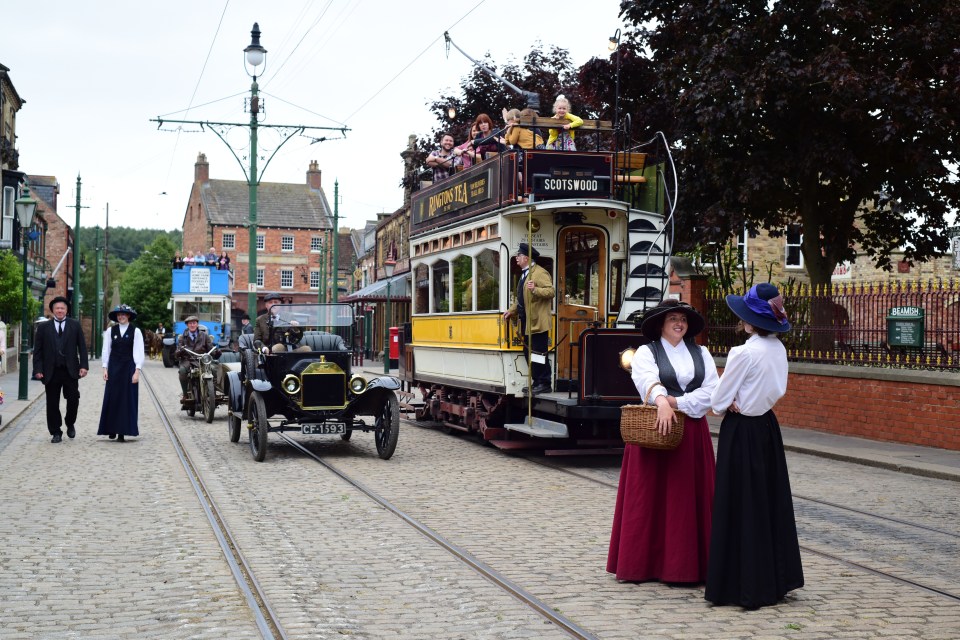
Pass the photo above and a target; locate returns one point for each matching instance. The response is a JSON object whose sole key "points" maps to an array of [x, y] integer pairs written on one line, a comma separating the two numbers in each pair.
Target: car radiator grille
{"points": [[323, 390]]}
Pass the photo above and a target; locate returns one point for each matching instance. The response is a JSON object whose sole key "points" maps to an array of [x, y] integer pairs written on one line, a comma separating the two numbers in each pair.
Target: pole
{"points": [[386, 331], [336, 241], [98, 317], [320, 275], [25, 326], [76, 259], [529, 339], [323, 272], [252, 261], [616, 104]]}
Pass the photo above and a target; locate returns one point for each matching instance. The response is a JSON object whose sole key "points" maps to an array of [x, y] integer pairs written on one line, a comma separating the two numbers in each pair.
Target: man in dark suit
{"points": [[60, 360]]}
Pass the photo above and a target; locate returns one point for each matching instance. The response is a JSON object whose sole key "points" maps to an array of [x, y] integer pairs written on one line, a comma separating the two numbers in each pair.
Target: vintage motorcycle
{"points": [[202, 393]]}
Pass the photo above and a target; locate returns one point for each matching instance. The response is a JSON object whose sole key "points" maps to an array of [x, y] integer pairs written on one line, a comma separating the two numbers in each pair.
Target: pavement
{"points": [[921, 461]]}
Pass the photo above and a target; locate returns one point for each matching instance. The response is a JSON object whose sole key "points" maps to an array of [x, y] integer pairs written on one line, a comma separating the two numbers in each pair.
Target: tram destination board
{"points": [[570, 175]]}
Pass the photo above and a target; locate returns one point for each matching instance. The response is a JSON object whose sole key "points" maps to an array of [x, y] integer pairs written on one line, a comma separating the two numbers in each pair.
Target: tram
{"points": [[601, 221], [201, 291]]}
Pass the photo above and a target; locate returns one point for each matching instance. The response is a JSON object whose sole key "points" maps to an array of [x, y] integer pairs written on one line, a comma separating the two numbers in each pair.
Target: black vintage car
{"points": [[307, 385]]}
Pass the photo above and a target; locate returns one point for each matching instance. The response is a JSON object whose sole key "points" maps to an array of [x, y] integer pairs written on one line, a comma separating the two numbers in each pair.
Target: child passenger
{"points": [[518, 136], [562, 139]]}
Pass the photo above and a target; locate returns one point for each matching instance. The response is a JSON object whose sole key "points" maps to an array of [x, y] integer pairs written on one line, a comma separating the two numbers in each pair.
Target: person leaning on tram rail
{"points": [[270, 327], [535, 294], [195, 340]]}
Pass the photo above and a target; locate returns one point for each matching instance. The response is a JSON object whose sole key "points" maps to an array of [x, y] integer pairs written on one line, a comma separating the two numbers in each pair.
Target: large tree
{"points": [[147, 282], [838, 116]]}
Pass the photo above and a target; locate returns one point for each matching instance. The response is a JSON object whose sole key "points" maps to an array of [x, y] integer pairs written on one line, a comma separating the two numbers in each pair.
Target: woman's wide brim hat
{"points": [[122, 308], [652, 323], [761, 307]]}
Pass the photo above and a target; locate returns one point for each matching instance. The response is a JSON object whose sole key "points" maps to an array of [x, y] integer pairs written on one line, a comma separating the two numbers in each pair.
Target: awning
{"points": [[399, 290]]}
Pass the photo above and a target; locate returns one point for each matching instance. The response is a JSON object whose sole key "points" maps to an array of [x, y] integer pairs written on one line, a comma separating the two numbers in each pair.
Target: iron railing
{"points": [[847, 324]]}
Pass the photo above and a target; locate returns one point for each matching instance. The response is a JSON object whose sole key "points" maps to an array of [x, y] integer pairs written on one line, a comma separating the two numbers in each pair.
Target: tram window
{"points": [[618, 281], [488, 281], [422, 285], [582, 271], [441, 287], [463, 283]]}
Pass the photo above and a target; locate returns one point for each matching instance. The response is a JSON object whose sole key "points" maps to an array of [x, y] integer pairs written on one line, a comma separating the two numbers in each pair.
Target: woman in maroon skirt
{"points": [[661, 527]]}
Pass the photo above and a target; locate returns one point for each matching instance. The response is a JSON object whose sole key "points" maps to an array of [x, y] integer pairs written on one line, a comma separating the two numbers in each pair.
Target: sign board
{"points": [[459, 192], [905, 327], [955, 247], [199, 281], [569, 174]]}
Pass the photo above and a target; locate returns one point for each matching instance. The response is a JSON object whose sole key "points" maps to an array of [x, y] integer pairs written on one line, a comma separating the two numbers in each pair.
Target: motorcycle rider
{"points": [[197, 341]]}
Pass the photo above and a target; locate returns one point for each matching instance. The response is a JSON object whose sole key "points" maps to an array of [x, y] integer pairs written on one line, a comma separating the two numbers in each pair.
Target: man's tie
{"points": [[60, 328]]}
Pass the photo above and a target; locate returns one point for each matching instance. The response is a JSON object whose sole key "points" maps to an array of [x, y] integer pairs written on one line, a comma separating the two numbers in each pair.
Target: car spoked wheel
{"points": [[388, 427], [259, 427], [233, 427]]}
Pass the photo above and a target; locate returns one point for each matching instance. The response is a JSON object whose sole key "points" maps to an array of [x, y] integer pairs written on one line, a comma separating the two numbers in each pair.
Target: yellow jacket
{"points": [[574, 123]]}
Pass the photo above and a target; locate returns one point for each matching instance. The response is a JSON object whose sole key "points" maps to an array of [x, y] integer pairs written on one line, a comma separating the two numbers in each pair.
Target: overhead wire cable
{"points": [[409, 64], [299, 42]]}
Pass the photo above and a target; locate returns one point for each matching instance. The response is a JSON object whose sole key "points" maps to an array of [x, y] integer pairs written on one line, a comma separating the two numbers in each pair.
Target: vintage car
{"points": [[308, 385]]}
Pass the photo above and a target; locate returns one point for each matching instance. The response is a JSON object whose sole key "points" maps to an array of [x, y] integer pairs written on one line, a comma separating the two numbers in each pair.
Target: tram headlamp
{"points": [[626, 359], [358, 384], [291, 384]]}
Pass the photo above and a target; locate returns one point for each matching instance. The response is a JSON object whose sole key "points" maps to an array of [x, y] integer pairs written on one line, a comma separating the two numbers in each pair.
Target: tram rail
{"points": [[266, 619]]}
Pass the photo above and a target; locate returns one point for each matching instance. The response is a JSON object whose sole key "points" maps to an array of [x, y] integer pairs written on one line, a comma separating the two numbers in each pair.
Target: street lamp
{"points": [[388, 266], [254, 55], [615, 46], [26, 209]]}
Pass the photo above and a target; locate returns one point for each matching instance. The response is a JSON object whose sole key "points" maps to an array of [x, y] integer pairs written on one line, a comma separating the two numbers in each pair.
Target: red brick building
{"points": [[294, 224]]}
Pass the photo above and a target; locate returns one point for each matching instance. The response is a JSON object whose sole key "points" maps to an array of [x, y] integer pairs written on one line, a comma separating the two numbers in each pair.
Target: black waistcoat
{"points": [[668, 377]]}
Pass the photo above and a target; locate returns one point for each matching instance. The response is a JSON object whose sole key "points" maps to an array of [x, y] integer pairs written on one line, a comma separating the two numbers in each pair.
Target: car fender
{"points": [[169, 342], [370, 402], [235, 391], [261, 385], [384, 382]]}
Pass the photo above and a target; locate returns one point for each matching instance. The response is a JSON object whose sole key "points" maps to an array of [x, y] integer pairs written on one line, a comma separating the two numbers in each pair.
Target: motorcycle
{"points": [[201, 385]]}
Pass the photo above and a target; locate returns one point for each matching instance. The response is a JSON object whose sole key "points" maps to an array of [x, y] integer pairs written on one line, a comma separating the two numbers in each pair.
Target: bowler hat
{"points": [[191, 319], [761, 307], [122, 308], [526, 250], [272, 296], [653, 319], [59, 299]]}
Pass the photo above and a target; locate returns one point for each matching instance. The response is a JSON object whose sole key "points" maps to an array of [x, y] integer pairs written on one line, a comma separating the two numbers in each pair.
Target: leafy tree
{"points": [[147, 283], [11, 290], [839, 116]]}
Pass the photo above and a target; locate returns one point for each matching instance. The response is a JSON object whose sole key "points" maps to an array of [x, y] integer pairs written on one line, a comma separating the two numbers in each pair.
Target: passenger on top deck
{"points": [[177, 261], [224, 262], [562, 139], [517, 136], [444, 160], [189, 260], [485, 141], [467, 155], [211, 260]]}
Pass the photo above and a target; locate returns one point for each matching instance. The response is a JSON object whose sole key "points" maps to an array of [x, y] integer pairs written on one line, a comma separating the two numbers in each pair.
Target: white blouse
{"points": [[645, 372], [138, 356], [755, 377]]}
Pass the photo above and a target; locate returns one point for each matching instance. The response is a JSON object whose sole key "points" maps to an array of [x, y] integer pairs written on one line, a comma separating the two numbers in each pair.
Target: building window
{"points": [[229, 241], [314, 279], [316, 243], [261, 242], [259, 277], [286, 243], [286, 278], [713, 251], [793, 258]]}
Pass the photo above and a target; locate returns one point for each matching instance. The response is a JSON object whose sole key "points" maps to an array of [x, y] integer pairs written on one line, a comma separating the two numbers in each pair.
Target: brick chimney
{"points": [[313, 175], [201, 170]]}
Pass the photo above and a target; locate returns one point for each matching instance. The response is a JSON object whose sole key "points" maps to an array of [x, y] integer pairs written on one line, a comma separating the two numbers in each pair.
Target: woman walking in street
{"points": [[661, 526], [122, 360], [754, 552]]}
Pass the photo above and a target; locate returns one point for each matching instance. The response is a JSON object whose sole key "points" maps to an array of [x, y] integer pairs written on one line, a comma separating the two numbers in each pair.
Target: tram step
{"points": [[540, 428]]}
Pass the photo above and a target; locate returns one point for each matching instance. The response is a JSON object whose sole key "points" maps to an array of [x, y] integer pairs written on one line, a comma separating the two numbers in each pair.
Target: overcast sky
{"points": [[93, 75]]}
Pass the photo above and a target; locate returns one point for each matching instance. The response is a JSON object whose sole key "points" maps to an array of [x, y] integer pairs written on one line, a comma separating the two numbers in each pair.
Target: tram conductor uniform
{"points": [[535, 293], [60, 360]]}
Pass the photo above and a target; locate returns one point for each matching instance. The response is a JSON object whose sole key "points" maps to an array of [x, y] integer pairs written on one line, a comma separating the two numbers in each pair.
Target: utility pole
{"points": [[336, 241], [76, 259], [98, 316]]}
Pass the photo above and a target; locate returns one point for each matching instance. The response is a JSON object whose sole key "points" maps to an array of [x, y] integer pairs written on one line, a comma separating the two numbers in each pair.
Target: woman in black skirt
{"points": [[122, 360], [754, 552]]}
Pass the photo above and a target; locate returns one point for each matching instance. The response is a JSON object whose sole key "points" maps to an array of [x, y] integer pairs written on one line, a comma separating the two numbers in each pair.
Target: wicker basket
{"points": [[638, 425]]}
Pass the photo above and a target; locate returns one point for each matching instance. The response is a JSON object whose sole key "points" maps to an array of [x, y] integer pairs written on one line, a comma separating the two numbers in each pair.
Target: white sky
{"points": [[93, 74]]}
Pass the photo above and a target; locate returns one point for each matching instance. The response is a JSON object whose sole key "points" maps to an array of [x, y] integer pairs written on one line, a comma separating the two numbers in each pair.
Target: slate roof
{"points": [[279, 205]]}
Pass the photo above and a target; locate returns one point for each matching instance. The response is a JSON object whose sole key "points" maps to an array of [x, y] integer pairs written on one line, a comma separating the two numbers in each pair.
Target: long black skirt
{"points": [[754, 552]]}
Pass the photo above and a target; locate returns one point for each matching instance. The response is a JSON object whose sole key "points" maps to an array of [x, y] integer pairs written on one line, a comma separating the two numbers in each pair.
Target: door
{"points": [[582, 294]]}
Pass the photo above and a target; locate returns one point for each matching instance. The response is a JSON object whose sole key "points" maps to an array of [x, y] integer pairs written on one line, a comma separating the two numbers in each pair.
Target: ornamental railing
{"points": [[912, 325]]}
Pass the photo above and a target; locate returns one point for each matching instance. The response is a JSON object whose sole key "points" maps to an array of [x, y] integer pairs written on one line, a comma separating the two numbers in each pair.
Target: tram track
{"points": [[819, 552], [267, 621]]}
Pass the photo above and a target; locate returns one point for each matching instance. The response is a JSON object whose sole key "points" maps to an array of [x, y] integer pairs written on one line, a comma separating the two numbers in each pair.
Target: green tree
{"points": [[11, 290], [147, 282], [839, 116]]}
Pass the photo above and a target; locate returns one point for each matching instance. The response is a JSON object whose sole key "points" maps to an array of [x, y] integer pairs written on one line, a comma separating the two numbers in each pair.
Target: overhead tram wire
{"points": [[409, 64], [176, 142], [299, 42]]}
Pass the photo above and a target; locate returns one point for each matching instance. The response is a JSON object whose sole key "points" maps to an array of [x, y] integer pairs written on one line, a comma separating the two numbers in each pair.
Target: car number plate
{"points": [[325, 428]]}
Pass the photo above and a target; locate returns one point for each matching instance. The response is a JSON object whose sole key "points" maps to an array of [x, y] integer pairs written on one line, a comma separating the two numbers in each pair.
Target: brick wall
{"points": [[911, 407]]}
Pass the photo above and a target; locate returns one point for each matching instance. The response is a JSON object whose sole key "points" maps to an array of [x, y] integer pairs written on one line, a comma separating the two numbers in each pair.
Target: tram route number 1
{"points": [[324, 428]]}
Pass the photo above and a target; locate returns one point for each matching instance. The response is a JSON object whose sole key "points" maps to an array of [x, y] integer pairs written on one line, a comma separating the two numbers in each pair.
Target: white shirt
{"points": [[644, 372], [755, 377], [138, 356]]}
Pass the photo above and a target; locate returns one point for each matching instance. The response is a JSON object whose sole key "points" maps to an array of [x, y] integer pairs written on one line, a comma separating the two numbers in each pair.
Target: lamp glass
{"points": [[389, 266], [613, 44], [254, 56], [26, 209], [451, 112]]}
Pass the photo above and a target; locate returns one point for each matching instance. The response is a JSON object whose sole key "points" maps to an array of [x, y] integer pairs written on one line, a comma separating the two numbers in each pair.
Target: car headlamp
{"points": [[358, 384], [291, 384]]}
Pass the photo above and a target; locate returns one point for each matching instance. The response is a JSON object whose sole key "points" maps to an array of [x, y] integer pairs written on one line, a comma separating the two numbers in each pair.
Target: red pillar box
{"points": [[394, 346]]}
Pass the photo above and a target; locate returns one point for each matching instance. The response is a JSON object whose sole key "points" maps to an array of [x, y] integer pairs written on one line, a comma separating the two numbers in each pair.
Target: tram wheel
{"points": [[259, 427], [210, 400], [388, 427]]}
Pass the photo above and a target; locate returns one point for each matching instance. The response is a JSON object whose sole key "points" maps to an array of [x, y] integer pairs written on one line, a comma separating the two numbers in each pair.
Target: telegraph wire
{"points": [[299, 42]]}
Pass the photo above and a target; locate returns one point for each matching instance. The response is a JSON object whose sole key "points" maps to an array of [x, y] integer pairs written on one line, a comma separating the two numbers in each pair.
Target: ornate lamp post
{"points": [[254, 55], [26, 209], [615, 46], [388, 266]]}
